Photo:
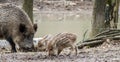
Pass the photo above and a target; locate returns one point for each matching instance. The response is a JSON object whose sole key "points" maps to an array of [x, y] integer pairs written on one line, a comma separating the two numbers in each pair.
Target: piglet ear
{"points": [[22, 28], [35, 27]]}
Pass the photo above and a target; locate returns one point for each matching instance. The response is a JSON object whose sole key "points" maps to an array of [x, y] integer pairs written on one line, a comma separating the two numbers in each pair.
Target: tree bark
{"points": [[105, 15], [116, 9], [98, 17], [28, 7]]}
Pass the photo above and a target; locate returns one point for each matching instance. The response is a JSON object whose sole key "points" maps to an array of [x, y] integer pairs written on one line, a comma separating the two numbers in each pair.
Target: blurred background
{"points": [[55, 16]]}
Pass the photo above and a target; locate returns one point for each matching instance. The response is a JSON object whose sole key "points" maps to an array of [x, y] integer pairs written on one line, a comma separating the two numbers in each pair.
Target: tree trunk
{"points": [[112, 13], [28, 7], [105, 15], [115, 14], [98, 24]]}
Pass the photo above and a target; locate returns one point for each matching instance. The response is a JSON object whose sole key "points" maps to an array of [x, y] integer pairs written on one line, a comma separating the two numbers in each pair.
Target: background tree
{"points": [[28, 7], [105, 15], [112, 13], [115, 13], [98, 17]]}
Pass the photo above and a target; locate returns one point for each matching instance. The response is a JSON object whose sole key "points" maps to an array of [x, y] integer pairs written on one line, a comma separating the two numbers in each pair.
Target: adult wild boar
{"points": [[16, 27]]}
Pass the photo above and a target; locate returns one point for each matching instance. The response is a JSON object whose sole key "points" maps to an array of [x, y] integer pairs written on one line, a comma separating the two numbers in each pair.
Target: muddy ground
{"points": [[107, 52]]}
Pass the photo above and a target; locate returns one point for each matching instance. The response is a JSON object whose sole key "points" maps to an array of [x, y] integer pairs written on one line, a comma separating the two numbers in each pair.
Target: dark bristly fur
{"points": [[16, 27]]}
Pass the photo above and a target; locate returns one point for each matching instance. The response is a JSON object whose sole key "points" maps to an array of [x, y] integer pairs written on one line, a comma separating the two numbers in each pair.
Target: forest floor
{"points": [[107, 52]]}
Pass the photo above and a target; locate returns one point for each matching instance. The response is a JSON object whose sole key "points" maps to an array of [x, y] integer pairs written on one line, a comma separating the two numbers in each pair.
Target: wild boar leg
{"points": [[12, 44], [59, 51], [73, 48]]}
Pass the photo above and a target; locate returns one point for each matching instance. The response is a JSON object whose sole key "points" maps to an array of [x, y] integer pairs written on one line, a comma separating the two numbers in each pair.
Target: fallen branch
{"points": [[113, 38], [91, 44], [94, 39], [108, 32], [112, 35], [96, 42], [101, 37]]}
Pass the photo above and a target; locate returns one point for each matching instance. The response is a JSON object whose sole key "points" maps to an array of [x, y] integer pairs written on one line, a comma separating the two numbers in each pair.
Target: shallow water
{"points": [[53, 23]]}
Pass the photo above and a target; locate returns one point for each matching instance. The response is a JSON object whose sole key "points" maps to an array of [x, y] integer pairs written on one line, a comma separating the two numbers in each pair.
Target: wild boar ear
{"points": [[35, 27], [22, 28]]}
